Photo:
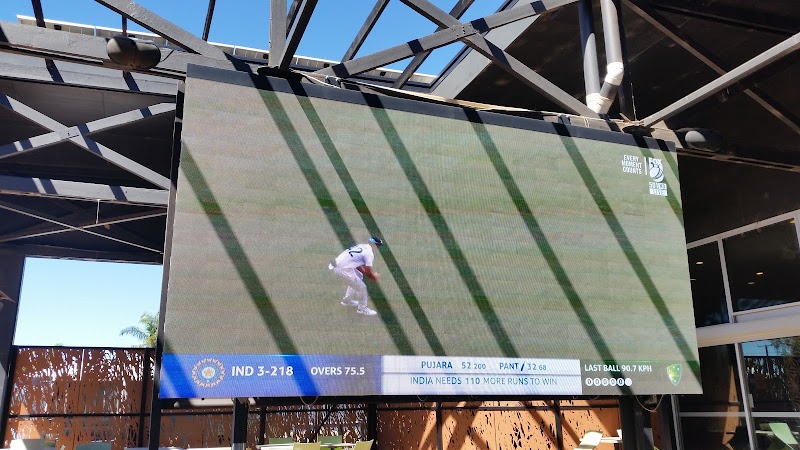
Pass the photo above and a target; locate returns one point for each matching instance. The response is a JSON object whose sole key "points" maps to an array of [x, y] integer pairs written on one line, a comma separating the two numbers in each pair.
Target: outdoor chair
{"points": [[363, 445], [590, 440], [306, 446], [331, 440], [27, 444], [277, 440], [782, 437]]}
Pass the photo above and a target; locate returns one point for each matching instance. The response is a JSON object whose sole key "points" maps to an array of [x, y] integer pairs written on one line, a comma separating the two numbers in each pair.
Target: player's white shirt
{"points": [[355, 256]]}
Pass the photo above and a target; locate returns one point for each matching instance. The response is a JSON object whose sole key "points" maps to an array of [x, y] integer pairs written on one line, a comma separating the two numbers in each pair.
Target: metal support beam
{"points": [[30, 113], [625, 98], [457, 11], [30, 68], [209, 18], [47, 251], [499, 56], [37, 215], [10, 285], [469, 64], [746, 18], [748, 68], [292, 14], [296, 31], [628, 422], [84, 142], [91, 50], [73, 190], [277, 31], [370, 22], [705, 56], [532, 79], [107, 123], [438, 39], [84, 219], [163, 27], [38, 13], [239, 425]]}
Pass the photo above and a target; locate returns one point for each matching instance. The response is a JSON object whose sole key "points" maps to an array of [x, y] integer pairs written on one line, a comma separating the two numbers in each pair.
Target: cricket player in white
{"points": [[352, 264]]}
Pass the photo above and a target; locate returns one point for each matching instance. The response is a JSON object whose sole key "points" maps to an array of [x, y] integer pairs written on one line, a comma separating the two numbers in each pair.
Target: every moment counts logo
{"points": [[633, 164]]}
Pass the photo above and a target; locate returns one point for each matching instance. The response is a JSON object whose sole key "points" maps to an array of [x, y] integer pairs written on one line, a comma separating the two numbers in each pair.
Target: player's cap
{"points": [[376, 240]]}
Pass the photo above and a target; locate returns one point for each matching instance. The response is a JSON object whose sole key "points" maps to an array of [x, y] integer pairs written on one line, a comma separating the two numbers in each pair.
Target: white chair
{"points": [[27, 444], [590, 440]]}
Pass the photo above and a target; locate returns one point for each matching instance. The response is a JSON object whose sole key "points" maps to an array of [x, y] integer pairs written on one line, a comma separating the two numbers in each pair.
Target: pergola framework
{"points": [[114, 208]]}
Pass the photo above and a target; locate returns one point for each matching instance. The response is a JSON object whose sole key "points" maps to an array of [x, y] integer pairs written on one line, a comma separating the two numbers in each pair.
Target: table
{"points": [[615, 440]]}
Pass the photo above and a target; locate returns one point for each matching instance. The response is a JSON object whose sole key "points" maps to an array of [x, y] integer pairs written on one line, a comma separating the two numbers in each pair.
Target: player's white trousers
{"points": [[356, 289]]}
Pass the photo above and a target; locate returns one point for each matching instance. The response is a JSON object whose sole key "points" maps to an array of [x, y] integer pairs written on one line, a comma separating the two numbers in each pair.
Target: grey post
{"points": [[10, 286]]}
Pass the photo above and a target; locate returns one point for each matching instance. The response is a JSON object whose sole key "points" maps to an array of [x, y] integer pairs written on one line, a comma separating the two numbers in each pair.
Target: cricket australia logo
{"points": [[674, 373], [208, 372]]}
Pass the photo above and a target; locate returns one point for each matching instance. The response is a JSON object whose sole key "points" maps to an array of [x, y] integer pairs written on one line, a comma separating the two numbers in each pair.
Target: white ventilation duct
{"points": [[601, 101]]}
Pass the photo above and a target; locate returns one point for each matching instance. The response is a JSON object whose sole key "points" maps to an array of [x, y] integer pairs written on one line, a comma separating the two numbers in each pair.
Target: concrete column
{"points": [[11, 266]]}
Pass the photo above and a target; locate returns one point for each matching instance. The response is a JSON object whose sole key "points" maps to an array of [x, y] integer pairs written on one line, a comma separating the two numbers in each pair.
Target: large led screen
{"points": [[518, 256]]}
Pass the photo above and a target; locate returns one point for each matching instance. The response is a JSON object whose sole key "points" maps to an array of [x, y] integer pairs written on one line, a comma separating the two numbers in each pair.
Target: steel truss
{"points": [[649, 13], [152, 202], [287, 29]]}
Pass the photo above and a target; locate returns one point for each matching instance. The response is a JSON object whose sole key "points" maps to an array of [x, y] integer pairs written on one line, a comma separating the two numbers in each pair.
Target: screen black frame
{"points": [[294, 84]]}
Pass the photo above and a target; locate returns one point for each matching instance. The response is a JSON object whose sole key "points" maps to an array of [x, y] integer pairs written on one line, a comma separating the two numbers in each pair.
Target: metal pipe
{"points": [[591, 72], [611, 31], [614, 66]]}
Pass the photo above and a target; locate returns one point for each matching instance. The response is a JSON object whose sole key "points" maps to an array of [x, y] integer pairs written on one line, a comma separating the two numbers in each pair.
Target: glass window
{"points": [[708, 289], [715, 419], [773, 378], [773, 373], [720, 379], [777, 432], [763, 266], [714, 433]]}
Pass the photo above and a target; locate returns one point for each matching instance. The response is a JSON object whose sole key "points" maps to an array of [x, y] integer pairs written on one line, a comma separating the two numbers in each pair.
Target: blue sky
{"points": [[246, 23], [82, 303]]}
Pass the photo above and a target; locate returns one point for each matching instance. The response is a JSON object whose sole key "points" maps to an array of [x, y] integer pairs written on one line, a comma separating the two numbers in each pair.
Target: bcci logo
{"points": [[656, 169], [674, 374], [208, 372]]}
